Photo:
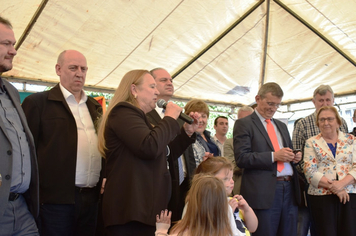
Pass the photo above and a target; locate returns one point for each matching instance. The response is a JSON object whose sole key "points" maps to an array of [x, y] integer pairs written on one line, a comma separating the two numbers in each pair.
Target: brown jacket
{"points": [[138, 182]]}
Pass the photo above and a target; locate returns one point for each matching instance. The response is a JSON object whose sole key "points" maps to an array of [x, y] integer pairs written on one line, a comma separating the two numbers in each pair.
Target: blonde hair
{"points": [[205, 212], [122, 94], [213, 165]]}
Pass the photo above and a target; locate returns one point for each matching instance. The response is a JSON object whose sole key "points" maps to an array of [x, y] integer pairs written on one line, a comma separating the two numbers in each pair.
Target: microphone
{"points": [[162, 104]]}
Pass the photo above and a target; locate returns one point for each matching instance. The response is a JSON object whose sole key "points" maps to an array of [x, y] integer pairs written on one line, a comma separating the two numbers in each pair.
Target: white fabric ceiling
{"points": [[219, 51]]}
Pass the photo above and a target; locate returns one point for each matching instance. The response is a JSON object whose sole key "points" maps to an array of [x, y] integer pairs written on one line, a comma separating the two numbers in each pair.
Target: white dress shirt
{"points": [[88, 156]]}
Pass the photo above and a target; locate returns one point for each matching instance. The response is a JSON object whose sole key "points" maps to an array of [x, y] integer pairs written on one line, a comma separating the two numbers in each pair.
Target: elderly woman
{"points": [[204, 146], [330, 168], [138, 184]]}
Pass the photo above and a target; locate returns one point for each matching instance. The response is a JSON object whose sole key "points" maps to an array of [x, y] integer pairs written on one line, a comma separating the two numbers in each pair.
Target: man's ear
{"points": [[257, 98], [58, 69]]}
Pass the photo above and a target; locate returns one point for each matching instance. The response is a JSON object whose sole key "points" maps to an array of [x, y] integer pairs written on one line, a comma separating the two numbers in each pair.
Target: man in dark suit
{"points": [[273, 193], [63, 124], [18, 163], [165, 87]]}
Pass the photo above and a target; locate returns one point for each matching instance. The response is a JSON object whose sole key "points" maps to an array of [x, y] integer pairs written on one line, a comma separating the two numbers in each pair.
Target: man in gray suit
{"points": [[18, 164], [262, 143]]}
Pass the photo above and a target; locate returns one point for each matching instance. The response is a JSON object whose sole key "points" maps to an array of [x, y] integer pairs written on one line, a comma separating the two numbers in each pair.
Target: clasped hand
{"points": [[238, 201], [337, 188]]}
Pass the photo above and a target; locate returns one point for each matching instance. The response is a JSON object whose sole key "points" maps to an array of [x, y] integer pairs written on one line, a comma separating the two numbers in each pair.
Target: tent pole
{"points": [[218, 38], [31, 24], [263, 69], [309, 26]]}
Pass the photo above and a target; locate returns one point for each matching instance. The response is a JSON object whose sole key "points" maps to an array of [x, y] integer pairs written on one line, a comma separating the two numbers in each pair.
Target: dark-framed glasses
{"points": [[329, 119]]}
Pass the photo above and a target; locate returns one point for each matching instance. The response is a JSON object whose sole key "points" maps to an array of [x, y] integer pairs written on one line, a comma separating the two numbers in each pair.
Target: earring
{"points": [[135, 96]]}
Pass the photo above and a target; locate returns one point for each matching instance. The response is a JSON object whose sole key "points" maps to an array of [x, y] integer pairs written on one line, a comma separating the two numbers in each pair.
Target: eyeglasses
{"points": [[272, 104], [329, 119]]}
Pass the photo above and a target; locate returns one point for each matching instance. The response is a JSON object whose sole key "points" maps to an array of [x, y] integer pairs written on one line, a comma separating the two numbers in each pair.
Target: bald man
{"points": [[62, 121]]}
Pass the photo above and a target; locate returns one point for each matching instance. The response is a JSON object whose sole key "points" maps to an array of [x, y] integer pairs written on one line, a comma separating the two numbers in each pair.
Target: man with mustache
{"points": [[63, 123]]}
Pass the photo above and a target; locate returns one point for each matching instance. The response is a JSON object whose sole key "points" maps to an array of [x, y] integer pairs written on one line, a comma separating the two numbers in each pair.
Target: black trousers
{"points": [[132, 228], [77, 219], [331, 217]]}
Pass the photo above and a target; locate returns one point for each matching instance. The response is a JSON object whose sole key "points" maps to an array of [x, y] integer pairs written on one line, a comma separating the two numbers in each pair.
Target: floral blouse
{"points": [[319, 161]]}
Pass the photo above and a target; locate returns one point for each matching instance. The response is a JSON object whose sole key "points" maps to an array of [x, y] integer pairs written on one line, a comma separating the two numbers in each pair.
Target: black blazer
{"points": [[55, 133], [138, 184], [252, 148], [176, 202]]}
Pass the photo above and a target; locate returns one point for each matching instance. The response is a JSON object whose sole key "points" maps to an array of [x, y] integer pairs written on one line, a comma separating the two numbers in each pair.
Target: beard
{"points": [[4, 67]]}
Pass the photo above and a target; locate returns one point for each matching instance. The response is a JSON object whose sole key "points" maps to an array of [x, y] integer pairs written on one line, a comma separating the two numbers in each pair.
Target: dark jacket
{"points": [[55, 133], [138, 184], [252, 148], [177, 201]]}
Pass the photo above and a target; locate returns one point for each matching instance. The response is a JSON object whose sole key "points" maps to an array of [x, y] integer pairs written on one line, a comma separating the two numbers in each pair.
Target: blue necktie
{"points": [[180, 164]]}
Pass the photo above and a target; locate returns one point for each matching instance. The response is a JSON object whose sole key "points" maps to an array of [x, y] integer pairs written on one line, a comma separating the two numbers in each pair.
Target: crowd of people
{"points": [[67, 168]]}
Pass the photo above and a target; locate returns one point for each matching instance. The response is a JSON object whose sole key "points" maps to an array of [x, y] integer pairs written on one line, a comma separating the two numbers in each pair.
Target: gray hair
{"points": [[244, 108], [322, 90], [272, 88]]}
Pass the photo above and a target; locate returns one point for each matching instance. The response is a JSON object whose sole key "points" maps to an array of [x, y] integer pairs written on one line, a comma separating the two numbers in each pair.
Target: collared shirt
{"points": [[21, 159], [220, 145], [305, 129], [288, 170], [201, 146], [160, 112], [88, 156]]}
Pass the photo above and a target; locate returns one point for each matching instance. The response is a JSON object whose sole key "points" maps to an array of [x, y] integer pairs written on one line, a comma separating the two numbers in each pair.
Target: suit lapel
{"points": [[323, 146], [56, 94], [256, 120], [95, 110], [153, 117], [3, 128], [281, 131]]}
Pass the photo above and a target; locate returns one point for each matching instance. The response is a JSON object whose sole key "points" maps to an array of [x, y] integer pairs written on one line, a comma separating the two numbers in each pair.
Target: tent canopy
{"points": [[218, 51]]}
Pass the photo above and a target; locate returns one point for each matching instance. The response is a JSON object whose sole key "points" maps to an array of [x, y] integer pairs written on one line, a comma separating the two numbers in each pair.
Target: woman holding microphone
{"points": [[138, 182]]}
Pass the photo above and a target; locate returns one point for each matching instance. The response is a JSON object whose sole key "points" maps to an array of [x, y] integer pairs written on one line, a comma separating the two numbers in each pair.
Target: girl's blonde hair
{"points": [[205, 212], [122, 94], [213, 165]]}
